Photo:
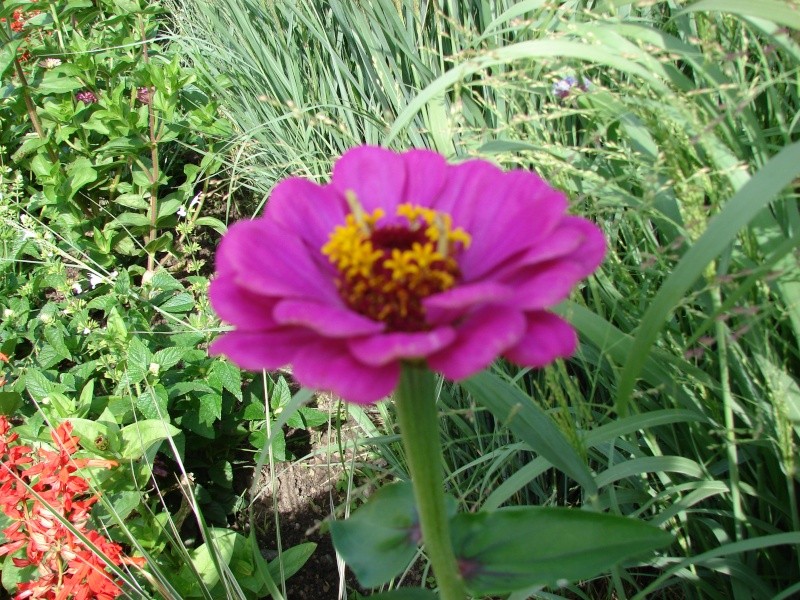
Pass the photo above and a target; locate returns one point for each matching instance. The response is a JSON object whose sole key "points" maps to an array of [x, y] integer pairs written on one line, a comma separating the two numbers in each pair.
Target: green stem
{"points": [[730, 423], [419, 427]]}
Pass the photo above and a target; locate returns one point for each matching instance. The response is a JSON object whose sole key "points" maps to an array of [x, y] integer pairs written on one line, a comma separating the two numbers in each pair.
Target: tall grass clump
{"points": [[675, 126]]}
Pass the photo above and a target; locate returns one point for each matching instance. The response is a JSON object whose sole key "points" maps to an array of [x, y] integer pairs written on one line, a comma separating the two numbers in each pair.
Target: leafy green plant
{"points": [[100, 120]]}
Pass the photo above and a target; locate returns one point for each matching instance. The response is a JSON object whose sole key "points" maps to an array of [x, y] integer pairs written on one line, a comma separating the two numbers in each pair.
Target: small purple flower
{"points": [[86, 96], [401, 257], [563, 87], [143, 95]]}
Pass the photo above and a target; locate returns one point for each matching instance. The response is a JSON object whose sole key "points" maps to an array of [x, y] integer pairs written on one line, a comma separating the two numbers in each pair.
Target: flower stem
{"points": [[419, 427]]}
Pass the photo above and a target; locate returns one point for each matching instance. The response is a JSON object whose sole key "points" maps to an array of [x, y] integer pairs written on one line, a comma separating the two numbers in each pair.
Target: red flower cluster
{"points": [[18, 21], [35, 486]]}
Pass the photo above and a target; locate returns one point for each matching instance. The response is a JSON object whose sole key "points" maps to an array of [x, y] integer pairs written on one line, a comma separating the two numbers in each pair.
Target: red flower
{"points": [[67, 568]]}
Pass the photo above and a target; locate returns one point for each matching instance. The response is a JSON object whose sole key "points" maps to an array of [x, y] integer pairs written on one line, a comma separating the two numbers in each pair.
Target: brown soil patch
{"points": [[307, 492]]}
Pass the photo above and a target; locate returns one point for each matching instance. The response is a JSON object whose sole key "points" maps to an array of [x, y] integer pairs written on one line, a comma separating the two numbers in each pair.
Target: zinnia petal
{"points": [[575, 239], [327, 320], [426, 176], [239, 306], [308, 209], [382, 349], [482, 337], [547, 337], [274, 262], [329, 366], [545, 285], [377, 177], [452, 304], [256, 350]]}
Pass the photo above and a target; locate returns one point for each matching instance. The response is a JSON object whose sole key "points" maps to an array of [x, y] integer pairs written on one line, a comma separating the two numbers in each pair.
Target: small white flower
{"points": [[77, 288], [154, 368], [181, 211], [28, 234], [50, 63], [95, 280], [86, 331], [196, 200]]}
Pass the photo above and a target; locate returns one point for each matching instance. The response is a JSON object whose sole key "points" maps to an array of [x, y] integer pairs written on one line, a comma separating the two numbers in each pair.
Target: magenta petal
{"points": [[576, 239], [528, 213], [426, 175], [468, 191], [311, 211], [377, 177], [592, 250], [329, 366], [256, 350], [382, 349], [482, 337], [239, 306], [275, 262], [544, 285], [327, 320], [546, 338], [449, 305]]}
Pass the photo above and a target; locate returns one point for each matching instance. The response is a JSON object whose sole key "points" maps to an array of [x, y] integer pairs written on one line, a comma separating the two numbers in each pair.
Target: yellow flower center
{"points": [[389, 263]]}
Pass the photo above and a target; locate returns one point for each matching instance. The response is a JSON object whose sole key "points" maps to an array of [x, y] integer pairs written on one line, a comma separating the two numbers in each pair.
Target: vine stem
{"points": [[419, 427]]}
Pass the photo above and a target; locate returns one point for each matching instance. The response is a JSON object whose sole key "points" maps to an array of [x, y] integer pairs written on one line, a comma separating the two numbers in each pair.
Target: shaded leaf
{"points": [[513, 548]]}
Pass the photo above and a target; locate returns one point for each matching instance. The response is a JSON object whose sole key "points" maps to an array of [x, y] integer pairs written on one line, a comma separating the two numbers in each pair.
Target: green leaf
{"points": [[164, 281], [258, 438], [530, 424], [226, 375], [9, 403], [139, 359], [7, 54], [210, 408], [137, 438], [168, 208], [225, 542], [153, 402], [293, 560], [55, 337], [380, 539], [281, 394], [307, 417], [520, 547], [168, 357], [159, 244], [81, 173], [128, 219], [215, 224], [38, 386], [54, 83], [179, 303], [29, 145], [94, 434], [135, 201]]}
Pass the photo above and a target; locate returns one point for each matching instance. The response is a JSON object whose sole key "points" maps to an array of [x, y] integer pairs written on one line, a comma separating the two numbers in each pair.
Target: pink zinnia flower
{"points": [[402, 257]]}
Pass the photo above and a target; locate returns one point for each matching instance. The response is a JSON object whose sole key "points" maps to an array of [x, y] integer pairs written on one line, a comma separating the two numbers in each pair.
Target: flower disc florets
{"points": [[402, 257], [389, 264]]}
